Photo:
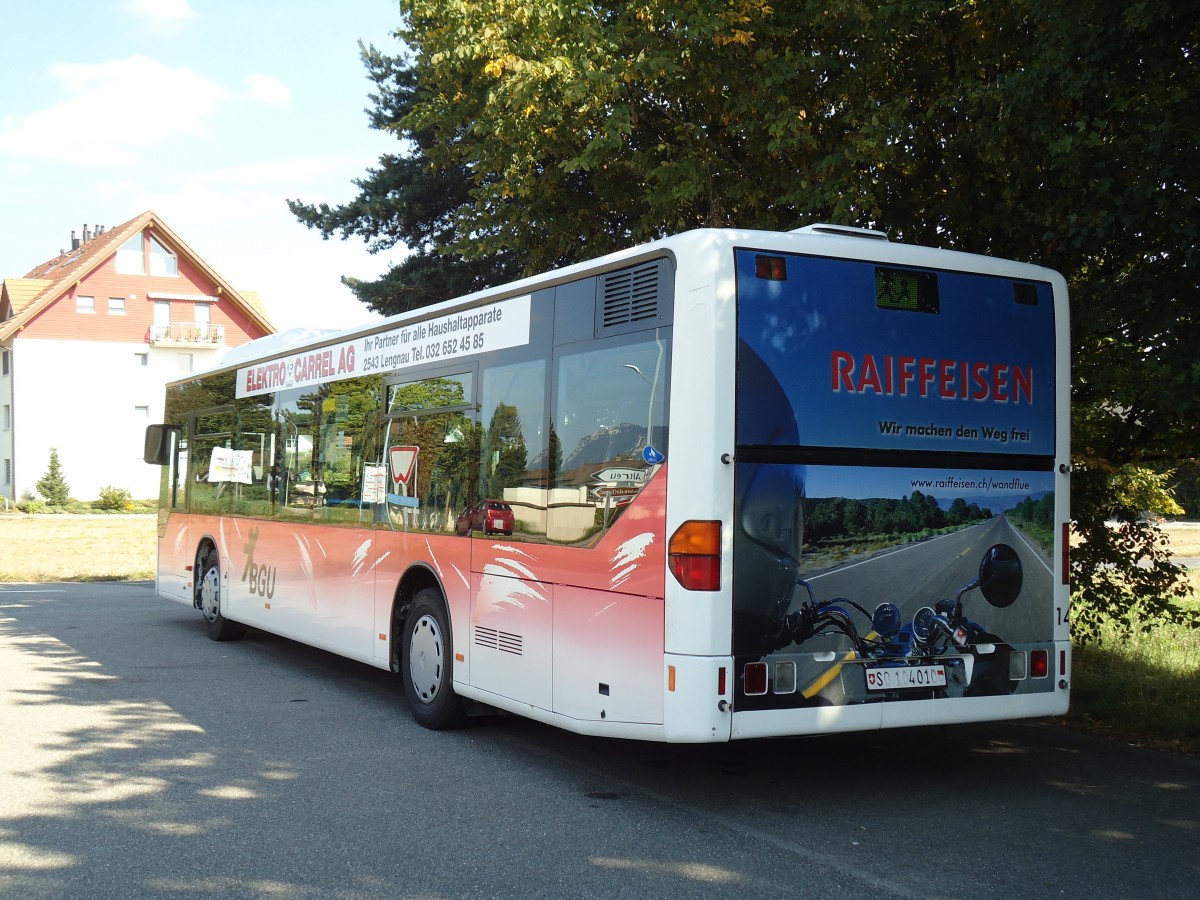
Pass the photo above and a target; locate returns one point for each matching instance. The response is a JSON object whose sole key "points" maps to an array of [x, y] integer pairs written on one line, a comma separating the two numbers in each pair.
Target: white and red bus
{"points": [[729, 484]]}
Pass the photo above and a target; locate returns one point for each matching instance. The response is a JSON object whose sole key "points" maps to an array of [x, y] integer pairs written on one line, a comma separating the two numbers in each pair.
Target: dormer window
{"points": [[145, 254], [131, 257], [162, 260]]}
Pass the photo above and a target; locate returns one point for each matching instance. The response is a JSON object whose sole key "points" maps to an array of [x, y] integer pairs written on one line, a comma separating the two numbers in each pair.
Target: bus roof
{"points": [[833, 240]]}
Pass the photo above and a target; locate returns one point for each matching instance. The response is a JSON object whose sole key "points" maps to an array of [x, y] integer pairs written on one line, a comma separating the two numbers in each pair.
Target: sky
{"points": [[212, 113]]}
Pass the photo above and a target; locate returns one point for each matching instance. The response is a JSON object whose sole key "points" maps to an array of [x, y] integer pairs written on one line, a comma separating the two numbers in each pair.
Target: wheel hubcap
{"points": [[210, 594], [425, 658]]}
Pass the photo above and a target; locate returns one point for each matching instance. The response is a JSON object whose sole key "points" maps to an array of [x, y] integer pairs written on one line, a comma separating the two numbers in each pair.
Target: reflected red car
{"points": [[488, 516]]}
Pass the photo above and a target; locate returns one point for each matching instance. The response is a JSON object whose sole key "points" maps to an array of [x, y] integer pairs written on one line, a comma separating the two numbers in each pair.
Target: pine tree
{"points": [[52, 486]]}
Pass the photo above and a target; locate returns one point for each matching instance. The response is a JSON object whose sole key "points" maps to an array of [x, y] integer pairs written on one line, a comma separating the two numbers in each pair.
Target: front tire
{"points": [[208, 600], [426, 665]]}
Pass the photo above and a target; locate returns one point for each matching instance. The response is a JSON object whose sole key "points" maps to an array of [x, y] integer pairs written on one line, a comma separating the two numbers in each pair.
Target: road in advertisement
{"points": [[143, 760]]}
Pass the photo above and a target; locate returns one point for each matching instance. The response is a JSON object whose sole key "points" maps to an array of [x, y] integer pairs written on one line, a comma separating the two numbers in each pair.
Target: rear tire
{"points": [[427, 664], [208, 600]]}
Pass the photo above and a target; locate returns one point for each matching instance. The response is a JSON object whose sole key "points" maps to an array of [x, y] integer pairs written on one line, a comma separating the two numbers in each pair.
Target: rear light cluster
{"points": [[694, 555], [754, 677], [781, 676], [1022, 665]]}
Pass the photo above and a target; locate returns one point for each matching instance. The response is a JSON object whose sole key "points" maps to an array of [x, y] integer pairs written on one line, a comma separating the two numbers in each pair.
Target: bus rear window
{"points": [[830, 357]]}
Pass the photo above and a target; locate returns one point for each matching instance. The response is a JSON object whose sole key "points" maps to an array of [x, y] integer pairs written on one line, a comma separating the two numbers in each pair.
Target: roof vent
{"points": [[842, 231]]}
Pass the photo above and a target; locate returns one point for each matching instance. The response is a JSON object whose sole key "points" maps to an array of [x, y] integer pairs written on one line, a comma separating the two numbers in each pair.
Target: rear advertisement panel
{"points": [[895, 490]]}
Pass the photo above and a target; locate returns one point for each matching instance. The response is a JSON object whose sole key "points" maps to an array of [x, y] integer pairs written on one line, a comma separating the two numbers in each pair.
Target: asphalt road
{"points": [[139, 759]]}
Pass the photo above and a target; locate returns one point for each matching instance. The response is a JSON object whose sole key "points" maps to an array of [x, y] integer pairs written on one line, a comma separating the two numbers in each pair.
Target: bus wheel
{"points": [[208, 600], [426, 667]]}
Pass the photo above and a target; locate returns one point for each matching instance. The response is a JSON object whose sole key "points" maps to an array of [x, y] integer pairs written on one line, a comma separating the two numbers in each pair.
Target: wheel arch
{"points": [[415, 579], [204, 543]]}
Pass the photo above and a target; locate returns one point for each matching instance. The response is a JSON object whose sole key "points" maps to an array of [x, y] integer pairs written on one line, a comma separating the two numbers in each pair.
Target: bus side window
{"points": [[607, 434], [347, 440], [431, 452], [254, 440], [211, 456], [514, 445], [296, 492]]}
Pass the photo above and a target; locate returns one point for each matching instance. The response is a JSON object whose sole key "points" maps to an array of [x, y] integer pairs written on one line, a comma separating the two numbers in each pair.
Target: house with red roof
{"points": [[89, 339]]}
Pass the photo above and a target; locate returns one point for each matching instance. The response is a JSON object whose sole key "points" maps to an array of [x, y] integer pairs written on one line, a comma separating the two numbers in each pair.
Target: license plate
{"points": [[900, 677]]}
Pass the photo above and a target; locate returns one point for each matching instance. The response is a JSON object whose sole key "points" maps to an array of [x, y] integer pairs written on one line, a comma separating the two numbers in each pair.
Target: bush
{"points": [[114, 498]]}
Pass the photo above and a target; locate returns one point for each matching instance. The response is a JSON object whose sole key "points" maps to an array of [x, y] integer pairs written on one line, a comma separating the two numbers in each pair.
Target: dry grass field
{"points": [[77, 548], [1185, 543], [1185, 540]]}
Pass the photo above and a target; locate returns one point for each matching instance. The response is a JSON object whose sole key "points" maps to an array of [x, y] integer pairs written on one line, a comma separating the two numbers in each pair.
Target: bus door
{"points": [[430, 462]]}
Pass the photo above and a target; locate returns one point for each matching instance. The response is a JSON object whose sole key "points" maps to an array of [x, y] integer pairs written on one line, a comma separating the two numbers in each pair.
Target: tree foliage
{"points": [[842, 518], [540, 132], [53, 485]]}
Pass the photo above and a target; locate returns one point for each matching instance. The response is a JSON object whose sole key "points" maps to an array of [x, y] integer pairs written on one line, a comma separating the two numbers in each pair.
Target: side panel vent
{"points": [[499, 640], [634, 299]]}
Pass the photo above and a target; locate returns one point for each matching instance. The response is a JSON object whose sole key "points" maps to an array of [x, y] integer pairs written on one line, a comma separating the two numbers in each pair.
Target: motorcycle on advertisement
{"points": [[939, 652]]}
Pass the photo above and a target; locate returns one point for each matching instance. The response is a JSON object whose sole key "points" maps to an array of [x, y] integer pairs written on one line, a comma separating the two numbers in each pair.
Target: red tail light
{"points": [[1039, 663], [755, 678], [694, 555]]}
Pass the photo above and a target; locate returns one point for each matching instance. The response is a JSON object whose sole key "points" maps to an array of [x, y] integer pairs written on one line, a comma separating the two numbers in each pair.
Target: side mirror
{"points": [[159, 443], [1000, 575]]}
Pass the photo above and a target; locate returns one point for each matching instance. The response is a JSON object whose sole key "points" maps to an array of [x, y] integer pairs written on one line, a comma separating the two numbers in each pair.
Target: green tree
{"points": [[539, 132], [53, 486]]}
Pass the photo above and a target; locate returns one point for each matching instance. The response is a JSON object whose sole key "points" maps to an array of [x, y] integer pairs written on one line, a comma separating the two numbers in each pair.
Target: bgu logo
{"points": [[261, 578]]}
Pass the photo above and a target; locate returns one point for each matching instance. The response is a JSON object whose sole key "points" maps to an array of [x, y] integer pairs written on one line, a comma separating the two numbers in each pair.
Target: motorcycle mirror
{"points": [[1000, 575], [886, 620]]}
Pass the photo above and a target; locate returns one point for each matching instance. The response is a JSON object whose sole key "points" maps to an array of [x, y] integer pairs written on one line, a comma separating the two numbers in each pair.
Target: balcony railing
{"points": [[189, 334]]}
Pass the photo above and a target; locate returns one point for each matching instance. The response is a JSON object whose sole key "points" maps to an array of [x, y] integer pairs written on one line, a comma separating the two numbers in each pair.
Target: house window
{"points": [[8, 471], [85, 304], [143, 359], [131, 257], [162, 260], [162, 320], [116, 306], [142, 413], [4, 362], [185, 362], [7, 417], [201, 312]]}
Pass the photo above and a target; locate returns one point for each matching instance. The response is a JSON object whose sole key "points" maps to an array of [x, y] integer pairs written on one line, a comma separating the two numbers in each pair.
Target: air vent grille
{"points": [[504, 641], [630, 296]]}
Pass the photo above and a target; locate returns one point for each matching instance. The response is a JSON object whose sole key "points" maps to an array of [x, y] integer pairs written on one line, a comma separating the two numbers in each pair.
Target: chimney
{"points": [[74, 240]]}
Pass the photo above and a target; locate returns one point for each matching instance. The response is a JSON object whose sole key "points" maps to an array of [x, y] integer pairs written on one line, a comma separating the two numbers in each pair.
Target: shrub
{"points": [[114, 498]]}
